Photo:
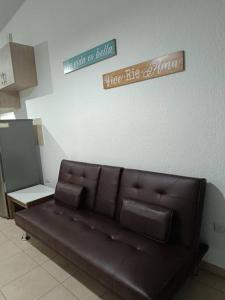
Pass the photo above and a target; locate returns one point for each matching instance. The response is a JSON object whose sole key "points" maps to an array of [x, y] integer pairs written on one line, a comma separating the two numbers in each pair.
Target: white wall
{"points": [[172, 124]]}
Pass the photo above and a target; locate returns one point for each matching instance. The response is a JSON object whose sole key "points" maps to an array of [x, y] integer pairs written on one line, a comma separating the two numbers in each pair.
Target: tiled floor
{"points": [[30, 270]]}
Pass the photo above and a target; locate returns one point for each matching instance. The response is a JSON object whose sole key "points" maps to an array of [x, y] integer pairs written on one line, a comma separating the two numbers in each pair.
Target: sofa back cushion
{"points": [[107, 190], [81, 174], [183, 195], [69, 194], [152, 221]]}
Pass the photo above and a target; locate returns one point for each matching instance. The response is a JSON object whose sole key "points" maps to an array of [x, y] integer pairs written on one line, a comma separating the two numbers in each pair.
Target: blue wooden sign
{"points": [[90, 57]]}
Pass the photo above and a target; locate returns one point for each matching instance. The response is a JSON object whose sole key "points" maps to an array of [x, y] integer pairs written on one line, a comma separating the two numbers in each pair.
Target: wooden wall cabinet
{"points": [[17, 67], [9, 101]]}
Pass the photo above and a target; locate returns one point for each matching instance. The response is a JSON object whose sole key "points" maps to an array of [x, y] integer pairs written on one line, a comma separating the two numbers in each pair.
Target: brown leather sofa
{"points": [[137, 232]]}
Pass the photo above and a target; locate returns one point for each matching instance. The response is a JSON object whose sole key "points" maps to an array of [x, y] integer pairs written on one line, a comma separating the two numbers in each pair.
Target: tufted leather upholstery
{"points": [[107, 190], [152, 221], [82, 174], [182, 194], [132, 265], [69, 194]]}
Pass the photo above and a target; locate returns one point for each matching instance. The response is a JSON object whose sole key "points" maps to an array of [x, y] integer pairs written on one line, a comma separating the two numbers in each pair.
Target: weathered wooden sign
{"points": [[156, 67], [90, 57]]}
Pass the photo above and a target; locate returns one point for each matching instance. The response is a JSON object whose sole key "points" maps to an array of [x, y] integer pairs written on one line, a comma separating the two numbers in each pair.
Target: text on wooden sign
{"points": [[90, 57], [156, 67]]}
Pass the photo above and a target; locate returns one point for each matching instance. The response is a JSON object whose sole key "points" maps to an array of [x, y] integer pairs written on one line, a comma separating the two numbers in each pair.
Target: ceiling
{"points": [[7, 10]]}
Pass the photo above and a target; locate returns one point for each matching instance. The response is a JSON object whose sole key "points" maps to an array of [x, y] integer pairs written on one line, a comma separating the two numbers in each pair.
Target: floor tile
{"points": [[31, 286], [40, 253], [195, 290], [7, 250], [84, 287], [3, 238], [23, 245], [13, 232], [2, 297], [14, 267], [5, 220], [59, 293], [212, 280], [6, 223], [59, 268]]}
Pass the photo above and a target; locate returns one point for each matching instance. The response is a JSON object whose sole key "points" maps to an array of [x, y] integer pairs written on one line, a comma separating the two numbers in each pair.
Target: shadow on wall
{"points": [[51, 158], [22, 112], [214, 211], [44, 77]]}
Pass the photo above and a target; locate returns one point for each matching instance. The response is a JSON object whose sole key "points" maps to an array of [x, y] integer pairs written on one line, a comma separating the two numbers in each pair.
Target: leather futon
{"points": [[137, 232]]}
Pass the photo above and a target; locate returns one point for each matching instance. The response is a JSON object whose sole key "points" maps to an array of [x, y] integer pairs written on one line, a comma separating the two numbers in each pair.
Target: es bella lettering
{"points": [[90, 57]]}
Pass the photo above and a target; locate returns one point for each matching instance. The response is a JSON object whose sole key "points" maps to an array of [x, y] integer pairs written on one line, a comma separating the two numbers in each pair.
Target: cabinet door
{"points": [[6, 67]]}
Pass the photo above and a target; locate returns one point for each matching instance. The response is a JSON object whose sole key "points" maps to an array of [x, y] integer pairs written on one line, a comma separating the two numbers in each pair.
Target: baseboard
{"points": [[212, 268]]}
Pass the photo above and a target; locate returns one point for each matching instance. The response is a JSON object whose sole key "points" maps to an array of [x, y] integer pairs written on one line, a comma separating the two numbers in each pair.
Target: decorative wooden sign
{"points": [[90, 57], [156, 67]]}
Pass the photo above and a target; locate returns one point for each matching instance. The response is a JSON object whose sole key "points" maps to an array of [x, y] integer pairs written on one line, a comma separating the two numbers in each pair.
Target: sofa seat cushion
{"points": [[122, 260]]}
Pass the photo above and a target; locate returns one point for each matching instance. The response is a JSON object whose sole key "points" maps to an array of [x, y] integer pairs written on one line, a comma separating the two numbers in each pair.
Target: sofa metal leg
{"points": [[25, 236], [196, 271]]}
